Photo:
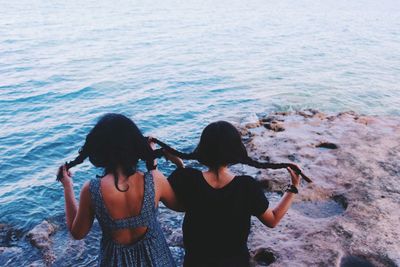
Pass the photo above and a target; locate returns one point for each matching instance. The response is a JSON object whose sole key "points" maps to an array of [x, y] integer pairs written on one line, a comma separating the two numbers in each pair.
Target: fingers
{"points": [[306, 178], [60, 173], [294, 176], [65, 171], [151, 142], [295, 168], [292, 172], [151, 139]]}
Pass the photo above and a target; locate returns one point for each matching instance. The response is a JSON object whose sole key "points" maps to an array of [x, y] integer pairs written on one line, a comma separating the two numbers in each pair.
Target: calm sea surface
{"points": [[173, 67]]}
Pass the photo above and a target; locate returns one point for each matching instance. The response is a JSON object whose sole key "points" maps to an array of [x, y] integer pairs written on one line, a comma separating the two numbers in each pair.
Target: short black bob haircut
{"points": [[115, 142], [221, 145]]}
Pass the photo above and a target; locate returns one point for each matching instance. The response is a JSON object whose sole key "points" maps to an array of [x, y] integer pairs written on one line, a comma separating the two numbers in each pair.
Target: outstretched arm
{"points": [[79, 217], [271, 217], [164, 190]]}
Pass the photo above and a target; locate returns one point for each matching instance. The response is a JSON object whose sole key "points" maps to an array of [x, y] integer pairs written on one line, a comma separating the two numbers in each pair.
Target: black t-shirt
{"points": [[217, 221]]}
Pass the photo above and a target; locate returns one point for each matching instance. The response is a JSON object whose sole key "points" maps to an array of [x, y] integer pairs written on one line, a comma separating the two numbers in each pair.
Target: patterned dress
{"points": [[150, 250]]}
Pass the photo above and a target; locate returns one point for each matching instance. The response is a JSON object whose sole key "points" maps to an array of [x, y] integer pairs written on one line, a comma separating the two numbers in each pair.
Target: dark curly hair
{"points": [[115, 142], [220, 145]]}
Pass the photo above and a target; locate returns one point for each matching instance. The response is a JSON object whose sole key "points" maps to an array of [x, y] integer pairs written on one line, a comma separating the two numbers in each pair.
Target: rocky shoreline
{"points": [[348, 216]]}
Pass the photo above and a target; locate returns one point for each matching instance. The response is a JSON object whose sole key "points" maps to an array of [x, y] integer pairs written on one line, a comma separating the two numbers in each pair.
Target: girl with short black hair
{"points": [[219, 204]]}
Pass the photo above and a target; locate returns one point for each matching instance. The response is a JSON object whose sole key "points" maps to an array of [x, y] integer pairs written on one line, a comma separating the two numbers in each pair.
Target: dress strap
{"points": [[97, 201], [149, 191], [94, 196]]}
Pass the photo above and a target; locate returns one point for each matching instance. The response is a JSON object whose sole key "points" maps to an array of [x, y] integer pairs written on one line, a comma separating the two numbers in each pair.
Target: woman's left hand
{"points": [[151, 143], [66, 175]]}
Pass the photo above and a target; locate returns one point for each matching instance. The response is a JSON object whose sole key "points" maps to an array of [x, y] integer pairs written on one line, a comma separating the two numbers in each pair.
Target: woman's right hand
{"points": [[174, 159], [169, 156], [294, 176], [65, 176]]}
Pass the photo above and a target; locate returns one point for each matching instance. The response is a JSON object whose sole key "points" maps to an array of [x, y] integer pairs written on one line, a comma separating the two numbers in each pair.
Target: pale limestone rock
{"points": [[354, 162]]}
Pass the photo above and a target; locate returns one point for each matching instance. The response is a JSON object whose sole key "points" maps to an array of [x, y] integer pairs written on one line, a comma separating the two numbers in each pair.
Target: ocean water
{"points": [[173, 67]]}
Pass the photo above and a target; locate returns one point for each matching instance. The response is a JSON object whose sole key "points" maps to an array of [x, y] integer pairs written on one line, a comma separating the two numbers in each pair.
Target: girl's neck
{"points": [[122, 175], [218, 178], [220, 171]]}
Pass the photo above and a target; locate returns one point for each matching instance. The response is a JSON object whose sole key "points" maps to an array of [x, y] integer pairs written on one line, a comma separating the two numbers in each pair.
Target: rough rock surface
{"points": [[350, 215], [39, 237]]}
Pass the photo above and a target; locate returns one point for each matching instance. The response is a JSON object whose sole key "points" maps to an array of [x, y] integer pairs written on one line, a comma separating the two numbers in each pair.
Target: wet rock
{"points": [[282, 113], [244, 132], [275, 126], [39, 237], [264, 257], [327, 145], [40, 234], [319, 209], [308, 113], [347, 113], [340, 199], [251, 121], [271, 118], [293, 157], [354, 261]]}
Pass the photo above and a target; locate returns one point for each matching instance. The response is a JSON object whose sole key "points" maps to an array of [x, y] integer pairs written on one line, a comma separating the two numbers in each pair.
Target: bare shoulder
{"points": [[158, 176], [86, 188], [85, 196], [160, 182]]}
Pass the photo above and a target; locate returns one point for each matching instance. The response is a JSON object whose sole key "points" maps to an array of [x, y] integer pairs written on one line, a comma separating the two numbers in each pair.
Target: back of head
{"points": [[114, 142], [220, 144]]}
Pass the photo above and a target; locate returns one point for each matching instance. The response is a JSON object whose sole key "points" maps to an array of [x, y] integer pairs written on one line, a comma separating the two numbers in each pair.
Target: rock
{"points": [[264, 257], [271, 118], [354, 261], [308, 113], [293, 157], [275, 126], [327, 145], [349, 215], [39, 237], [40, 234], [244, 132], [251, 121]]}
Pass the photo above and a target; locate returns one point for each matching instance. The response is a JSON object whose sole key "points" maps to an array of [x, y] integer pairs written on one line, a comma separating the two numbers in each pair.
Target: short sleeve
{"points": [[258, 201], [178, 181]]}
